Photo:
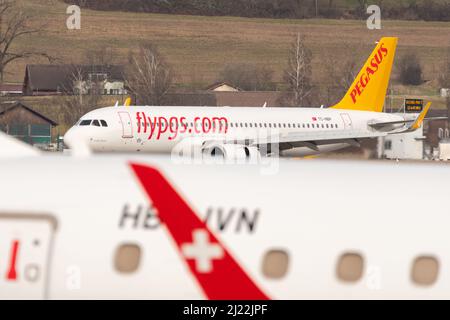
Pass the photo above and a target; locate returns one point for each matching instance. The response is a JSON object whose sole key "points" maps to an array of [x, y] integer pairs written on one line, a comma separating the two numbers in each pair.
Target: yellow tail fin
{"points": [[368, 90]]}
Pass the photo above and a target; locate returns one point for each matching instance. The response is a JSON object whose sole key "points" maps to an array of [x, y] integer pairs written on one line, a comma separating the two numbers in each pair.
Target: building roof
{"points": [[216, 85], [59, 77], [47, 77], [6, 107], [15, 88]]}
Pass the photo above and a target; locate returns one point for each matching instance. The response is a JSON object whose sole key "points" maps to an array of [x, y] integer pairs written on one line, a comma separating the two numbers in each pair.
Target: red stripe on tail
{"points": [[216, 271]]}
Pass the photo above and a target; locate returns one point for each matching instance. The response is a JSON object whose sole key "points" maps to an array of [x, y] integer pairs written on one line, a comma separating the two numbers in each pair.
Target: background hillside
{"points": [[437, 10], [198, 47]]}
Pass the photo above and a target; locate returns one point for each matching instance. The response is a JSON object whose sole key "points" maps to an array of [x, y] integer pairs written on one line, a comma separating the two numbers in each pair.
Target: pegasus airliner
{"points": [[240, 132]]}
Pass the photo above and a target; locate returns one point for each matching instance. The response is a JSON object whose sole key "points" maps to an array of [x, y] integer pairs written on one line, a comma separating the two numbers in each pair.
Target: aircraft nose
{"points": [[77, 141], [68, 136], [72, 137]]}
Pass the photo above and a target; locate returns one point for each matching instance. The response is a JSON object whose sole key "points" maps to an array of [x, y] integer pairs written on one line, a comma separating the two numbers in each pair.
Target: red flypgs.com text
{"points": [[371, 69], [157, 127]]}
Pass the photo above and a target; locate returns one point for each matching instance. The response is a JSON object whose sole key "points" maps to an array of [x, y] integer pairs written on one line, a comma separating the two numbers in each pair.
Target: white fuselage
{"points": [[160, 129], [70, 216]]}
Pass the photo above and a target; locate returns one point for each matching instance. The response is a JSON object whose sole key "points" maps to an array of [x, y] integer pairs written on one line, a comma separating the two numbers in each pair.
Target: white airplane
{"points": [[243, 132], [130, 226]]}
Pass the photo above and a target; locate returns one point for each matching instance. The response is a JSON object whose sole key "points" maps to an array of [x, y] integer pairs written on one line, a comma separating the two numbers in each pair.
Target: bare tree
{"points": [[444, 77], [410, 69], [340, 71], [83, 88], [81, 95], [298, 73], [13, 26], [148, 76]]}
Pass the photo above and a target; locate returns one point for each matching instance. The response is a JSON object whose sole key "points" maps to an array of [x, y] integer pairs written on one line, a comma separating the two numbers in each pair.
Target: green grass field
{"points": [[199, 47]]}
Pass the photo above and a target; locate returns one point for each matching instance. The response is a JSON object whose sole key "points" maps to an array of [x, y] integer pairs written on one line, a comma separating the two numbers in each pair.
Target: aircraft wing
{"points": [[313, 141], [296, 140], [435, 118], [413, 124], [380, 125], [417, 123]]}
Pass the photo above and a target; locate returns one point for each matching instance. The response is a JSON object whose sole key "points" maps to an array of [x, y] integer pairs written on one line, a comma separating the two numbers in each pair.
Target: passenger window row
{"points": [[350, 267], [95, 123], [275, 265], [283, 125], [256, 125]]}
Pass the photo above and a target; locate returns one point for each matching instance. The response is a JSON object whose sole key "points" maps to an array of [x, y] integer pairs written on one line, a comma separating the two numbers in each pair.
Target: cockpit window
{"points": [[96, 123], [104, 124], [85, 122]]}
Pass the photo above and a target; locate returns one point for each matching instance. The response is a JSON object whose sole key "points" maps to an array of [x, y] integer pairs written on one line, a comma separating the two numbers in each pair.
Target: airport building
{"points": [[26, 124], [427, 142], [402, 146]]}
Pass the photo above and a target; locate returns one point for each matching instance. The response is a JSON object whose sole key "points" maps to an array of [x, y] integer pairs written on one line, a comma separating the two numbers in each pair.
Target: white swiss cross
{"points": [[202, 251]]}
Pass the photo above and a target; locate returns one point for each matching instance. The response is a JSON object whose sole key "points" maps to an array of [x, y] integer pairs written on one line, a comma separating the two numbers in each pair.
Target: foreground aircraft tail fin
{"points": [[368, 90], [220, 276]]}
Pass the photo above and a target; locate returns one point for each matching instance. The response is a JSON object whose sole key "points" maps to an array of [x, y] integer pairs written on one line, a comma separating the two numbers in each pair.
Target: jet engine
{"points": [[231, 152]]}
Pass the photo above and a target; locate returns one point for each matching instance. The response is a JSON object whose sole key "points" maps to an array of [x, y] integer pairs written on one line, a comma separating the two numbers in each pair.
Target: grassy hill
{"points": [[199, 47]]}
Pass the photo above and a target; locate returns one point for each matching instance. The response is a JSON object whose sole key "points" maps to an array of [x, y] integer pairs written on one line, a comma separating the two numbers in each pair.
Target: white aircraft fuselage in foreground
{"points": [[241, 132], [92, 228]]}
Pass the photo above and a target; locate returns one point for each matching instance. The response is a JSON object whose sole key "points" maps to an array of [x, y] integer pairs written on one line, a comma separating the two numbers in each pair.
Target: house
{"points": [[223, 86], [74, 79], [26, 124], [11, 90], [445, 93]]}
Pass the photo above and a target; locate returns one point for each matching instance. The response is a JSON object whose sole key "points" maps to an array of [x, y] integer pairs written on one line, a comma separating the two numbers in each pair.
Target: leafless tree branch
{"points": [[298, 73], [148, 77], [13, 26]]}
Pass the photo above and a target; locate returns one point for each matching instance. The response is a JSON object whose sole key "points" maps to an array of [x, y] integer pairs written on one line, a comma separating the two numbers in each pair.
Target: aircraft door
{"points": [[127, 127], [25, 253], [347, 120]]}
